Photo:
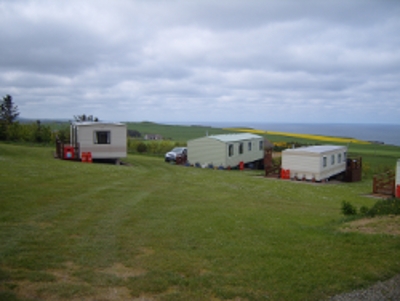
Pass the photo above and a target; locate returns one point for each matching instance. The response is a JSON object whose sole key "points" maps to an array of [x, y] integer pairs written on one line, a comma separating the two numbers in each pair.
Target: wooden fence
{"points": [[384, 183]]}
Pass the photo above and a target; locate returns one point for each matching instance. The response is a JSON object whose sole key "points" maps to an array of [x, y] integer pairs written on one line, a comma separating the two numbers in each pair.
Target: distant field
{"points": [[320, 138], [175, 132], [156, 231]]}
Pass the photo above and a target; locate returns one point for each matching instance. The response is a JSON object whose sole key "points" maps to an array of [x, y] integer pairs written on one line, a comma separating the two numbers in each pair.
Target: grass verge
{"points": [[74, 231]]}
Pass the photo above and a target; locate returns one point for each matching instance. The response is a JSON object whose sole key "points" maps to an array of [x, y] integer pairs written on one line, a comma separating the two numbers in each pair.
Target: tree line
{"points": [[12, 130], [36, 132]]}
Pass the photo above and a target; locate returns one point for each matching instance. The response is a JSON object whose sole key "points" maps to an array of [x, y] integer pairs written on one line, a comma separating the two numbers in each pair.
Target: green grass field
{"points": [[175, 132], [155, 231]]}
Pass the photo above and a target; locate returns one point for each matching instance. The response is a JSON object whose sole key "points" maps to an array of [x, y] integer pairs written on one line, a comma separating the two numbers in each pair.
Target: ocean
{"points": [[385, 133]]}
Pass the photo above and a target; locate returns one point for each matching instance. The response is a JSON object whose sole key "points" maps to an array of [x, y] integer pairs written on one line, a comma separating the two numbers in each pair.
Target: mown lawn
{"points": [[155, 231]]}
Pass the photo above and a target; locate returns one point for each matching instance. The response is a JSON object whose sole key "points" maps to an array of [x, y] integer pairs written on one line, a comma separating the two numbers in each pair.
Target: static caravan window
{"points": [[241, 148], [344, 156], [249, 146], [102, 137], [339, 158], [261, 145], [230, 150], [324, 161], [332, 159]]}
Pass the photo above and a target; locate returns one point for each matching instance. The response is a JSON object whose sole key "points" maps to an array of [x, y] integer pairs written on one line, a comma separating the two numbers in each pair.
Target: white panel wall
{"points": [[247, 156], [117, 147], [310, 165], [208, 150]]}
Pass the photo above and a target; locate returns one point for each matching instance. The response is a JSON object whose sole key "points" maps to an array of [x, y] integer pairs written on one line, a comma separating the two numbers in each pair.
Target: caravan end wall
{"points": [[103, 140], [206, 151]]}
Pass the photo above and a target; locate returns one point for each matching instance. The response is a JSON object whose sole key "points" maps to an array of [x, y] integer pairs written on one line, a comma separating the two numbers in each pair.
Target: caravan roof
{"points": [[88, 123], [316, 149], [235, 137]]}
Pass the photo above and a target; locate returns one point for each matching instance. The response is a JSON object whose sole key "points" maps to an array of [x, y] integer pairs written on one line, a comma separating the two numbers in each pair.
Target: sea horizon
{"points": [[385, 133]]}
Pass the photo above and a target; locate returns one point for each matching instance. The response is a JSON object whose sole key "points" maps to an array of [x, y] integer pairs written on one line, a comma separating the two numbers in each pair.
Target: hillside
{"points": [[155, 231]]}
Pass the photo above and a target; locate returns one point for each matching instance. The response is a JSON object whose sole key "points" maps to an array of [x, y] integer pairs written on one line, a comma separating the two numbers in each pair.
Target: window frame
{"points": [[241, 148], [231, 150], [324, 161], [102, 137]]}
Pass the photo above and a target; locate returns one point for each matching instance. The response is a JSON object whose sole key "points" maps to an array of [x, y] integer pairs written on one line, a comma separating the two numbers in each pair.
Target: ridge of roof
{"points": [[234, 137]]}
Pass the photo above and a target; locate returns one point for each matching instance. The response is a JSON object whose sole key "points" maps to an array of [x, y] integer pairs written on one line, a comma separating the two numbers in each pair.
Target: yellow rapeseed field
{"points": [[304, 136]]}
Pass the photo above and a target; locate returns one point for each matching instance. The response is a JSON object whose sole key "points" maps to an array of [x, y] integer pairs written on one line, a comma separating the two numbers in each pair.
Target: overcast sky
{"points": [[200, 60]]}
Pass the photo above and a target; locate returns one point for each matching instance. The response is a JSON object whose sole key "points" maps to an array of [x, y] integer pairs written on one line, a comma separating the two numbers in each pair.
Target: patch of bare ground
{"points": [[378, 196], [71, 288], [145, 252], [143, 298], [122, 271], [111, 294], [236, 299], [43, 291], [378, 225], [64, 275]]}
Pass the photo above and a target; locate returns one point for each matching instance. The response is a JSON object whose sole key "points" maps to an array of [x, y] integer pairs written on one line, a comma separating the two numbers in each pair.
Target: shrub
{"points": [[364, 210], [26, 132], [348, 209], [142, 147], [382, 207], [63, 133], [385, 207]]}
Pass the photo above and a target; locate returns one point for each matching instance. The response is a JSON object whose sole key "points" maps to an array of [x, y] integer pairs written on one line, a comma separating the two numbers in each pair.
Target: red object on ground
{"points": [[241, 165], [86, 157], [398, 191], [285, 174], [89, 157], [69, 152], [83, 157]]}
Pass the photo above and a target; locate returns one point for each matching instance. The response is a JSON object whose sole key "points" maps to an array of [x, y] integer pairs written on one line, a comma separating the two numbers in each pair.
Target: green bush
{"points": [[141, 147], [63, 134], [385, 207], [348, 209], [382, 207], [152, 147], [364, 210], [34, 132]]}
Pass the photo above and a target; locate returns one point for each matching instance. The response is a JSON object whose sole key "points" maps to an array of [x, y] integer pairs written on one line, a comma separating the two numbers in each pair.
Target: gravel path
{"points": [[382, 291]]}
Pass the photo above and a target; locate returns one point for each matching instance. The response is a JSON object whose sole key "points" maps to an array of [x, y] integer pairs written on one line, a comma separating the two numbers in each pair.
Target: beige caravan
{"points": [[318, 162], [226, 150], [103, 140]]}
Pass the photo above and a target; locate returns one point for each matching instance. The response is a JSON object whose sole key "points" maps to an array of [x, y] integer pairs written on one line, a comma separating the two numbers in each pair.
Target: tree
{"points": [[8, 114], [134, 133], [85, 118], [8, 110]]}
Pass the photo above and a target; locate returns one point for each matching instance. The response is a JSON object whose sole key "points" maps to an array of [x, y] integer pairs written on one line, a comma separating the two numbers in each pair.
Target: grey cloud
{"points": [[193, 60]]}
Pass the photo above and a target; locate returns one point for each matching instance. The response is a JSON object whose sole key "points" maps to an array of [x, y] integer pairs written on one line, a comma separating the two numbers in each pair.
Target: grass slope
{"points": [[74, 231]]}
